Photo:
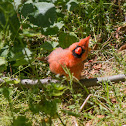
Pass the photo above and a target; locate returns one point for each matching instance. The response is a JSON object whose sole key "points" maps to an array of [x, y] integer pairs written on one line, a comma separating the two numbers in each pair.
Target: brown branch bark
{"points": [[85, 82], [98, 80]]}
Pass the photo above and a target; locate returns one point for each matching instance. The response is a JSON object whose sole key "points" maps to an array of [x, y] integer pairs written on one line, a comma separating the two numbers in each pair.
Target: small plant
{"points": [[33, 28]]}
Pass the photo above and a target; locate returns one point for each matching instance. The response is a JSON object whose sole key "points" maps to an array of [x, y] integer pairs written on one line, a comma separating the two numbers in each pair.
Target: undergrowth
{"points": [[32, 29]]}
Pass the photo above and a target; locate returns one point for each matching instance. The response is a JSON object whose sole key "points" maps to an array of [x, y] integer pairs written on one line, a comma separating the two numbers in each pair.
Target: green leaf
{"points": [[70, 113], [54, 44], [54, 29], [17, 3], [49, 107], [17, 81], [59, 24], [17, 53], [21, 121], [71, 5], [45, 15], [28, 9], [47, 46], [42, 14], [14, 25], [59, 87], [6, 92], [2, 19], [58, 93], [56, 89], [21, 61], [9, 18], [28, 33], [3, 64], [66, 39], [8, 80], [2, 61], [5, 51], [51, 31], [27, 53]]}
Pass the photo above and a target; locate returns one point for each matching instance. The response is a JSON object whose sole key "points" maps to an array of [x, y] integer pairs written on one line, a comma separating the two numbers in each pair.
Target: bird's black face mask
{"points": [[78, 51]]}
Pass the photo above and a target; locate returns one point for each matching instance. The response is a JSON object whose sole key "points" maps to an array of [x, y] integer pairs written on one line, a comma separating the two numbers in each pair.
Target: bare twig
{"points": [[82, 106], [85, 101]]}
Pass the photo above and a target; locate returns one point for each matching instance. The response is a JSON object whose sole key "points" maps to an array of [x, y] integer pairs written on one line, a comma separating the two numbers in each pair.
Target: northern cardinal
{"points": [[71, 57]]}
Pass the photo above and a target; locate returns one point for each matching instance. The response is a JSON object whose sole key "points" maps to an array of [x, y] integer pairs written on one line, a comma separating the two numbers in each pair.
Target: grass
{"points": [[59, 104], [22, 106], [18, 106]]}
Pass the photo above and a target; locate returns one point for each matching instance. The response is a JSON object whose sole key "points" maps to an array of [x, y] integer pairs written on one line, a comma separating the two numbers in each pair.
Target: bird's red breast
{"points": [[71, 58]]}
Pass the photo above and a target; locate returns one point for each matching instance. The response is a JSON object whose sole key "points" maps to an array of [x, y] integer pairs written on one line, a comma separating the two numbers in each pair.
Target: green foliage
{"points": [[66, 20], [66, 39], [3, 64], [9, 19], [21, 121], [42, 14], [71, 113], [29, 28]]}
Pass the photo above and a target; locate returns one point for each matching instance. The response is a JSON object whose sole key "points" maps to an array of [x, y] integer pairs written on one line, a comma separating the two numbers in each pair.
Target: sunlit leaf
{"points": [[2, 61], [42, 14], [17, 3], [54, 29], [27, 53], [66, 39], [16, 81], [58, 93], [72, 4], [3, 64]]}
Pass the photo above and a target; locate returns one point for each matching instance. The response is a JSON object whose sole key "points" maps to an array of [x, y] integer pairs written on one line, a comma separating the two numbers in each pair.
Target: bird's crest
{"points": [[78, 48]]}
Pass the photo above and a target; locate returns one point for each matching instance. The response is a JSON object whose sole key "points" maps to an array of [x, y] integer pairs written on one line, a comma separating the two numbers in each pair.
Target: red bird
{"points": [[71, 58]]}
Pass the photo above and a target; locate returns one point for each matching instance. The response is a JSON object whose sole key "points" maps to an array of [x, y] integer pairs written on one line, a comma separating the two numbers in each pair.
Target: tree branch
{"points": [[85, 82], [98, 80]]}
